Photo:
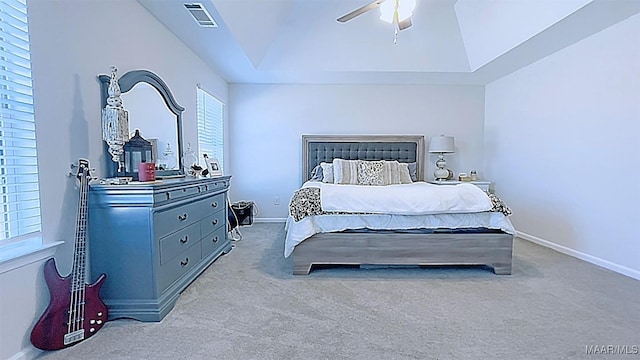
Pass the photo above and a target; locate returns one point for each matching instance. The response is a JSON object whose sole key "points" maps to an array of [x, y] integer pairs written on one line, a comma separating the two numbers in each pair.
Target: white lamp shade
{"points": [[442, 144], [405, 9]]}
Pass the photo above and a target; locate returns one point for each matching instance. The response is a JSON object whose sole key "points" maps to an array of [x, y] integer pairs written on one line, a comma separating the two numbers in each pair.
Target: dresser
{"points": [[153, 239]]}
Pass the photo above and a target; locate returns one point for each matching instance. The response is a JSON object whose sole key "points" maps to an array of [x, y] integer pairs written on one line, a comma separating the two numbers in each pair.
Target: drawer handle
{"points": [[214, 204], [184, 239], [185, 262], [182, 217], [215, 222], [215, 239]]}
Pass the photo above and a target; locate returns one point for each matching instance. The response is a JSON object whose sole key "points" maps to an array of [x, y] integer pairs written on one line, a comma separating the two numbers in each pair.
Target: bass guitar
{"points": [[75, 311]]}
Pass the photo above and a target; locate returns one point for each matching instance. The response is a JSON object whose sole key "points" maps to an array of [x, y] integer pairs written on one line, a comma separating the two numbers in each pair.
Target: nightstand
{"points": [[484, 185]]}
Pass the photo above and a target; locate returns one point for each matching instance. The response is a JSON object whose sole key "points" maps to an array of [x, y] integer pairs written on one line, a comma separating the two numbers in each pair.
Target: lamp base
{"points": [[441, 174]]}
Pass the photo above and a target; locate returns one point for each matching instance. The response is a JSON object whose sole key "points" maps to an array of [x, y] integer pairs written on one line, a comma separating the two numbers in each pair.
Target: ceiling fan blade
{"points": [[360, 11], [404, 23]]}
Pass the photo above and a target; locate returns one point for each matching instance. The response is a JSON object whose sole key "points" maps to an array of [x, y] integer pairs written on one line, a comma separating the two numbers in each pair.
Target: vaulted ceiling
{"points": [[450, 42]]}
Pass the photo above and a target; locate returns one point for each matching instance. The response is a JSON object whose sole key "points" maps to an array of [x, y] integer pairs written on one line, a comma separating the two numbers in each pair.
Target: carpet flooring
{"points": [[247, 305]]}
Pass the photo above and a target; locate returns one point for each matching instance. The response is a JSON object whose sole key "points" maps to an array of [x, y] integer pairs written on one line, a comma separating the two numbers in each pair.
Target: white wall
{"points": [[492, 28], [72, 43], [267, 122], [563, 136], [23, 297]]}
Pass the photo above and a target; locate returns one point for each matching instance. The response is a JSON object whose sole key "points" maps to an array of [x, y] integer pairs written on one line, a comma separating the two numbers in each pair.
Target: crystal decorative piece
{"points": [[115, 121]]}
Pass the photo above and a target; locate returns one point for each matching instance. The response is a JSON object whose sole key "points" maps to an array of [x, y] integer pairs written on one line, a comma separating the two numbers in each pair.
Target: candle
{"points": [[146, 171]]}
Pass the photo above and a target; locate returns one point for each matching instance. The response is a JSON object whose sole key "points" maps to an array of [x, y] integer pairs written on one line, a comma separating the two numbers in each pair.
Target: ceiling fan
{"points": [[397, 12]]}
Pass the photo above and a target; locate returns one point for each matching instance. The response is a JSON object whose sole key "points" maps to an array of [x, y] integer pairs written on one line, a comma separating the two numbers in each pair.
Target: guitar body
{"points": [[50, 331]]}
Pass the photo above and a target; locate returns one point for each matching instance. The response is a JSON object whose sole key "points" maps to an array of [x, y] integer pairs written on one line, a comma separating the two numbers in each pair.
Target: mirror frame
{"points": [[127, 82]]}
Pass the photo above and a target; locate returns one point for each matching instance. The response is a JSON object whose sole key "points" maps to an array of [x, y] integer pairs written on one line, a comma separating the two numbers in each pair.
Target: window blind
{"points": [[19, 190], [210, 127]]}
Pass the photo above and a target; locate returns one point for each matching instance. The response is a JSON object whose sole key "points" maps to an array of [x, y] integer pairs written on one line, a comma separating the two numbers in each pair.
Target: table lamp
{"points": [[441, 145]]}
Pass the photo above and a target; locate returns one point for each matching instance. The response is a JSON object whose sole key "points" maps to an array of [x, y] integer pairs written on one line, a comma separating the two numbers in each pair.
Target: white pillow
{"points": [[345, 171], [327, 172]]}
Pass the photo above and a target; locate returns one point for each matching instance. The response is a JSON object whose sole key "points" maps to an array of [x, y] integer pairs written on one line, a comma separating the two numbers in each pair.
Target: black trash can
{"points": [[243, 211]]}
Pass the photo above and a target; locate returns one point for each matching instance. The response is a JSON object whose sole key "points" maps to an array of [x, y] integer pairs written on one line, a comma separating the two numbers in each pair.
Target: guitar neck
{"points": [[80, 248]]}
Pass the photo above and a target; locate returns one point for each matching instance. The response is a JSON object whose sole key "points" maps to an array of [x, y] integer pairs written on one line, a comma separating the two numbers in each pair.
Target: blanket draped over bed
{"points": [[419, 198]]}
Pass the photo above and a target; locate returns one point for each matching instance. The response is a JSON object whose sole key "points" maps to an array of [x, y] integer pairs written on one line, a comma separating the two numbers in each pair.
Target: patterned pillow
{"points": [[327, 172], [316, 173], [345, 171], [370, 172]]}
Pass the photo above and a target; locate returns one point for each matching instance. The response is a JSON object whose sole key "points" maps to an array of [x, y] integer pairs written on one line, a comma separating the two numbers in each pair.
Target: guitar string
{"points": [[82, 253], [71, 321], [84, 246], [76, 304], [74, 271]]}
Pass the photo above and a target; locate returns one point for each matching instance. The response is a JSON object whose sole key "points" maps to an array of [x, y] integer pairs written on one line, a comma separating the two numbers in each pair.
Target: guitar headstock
{"points": [[83, 169]]}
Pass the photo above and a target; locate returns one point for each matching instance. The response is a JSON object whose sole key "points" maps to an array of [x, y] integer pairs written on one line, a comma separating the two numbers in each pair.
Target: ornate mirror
{"points": [[154, 111]]}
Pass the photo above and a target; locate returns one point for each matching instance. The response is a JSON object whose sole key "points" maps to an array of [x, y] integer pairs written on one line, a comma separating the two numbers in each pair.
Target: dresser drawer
{"points": [[215, 185], [178, 266], [213, 241], [175, 194], [168, 221], [174, 244], [212, 222], [210, 205]]}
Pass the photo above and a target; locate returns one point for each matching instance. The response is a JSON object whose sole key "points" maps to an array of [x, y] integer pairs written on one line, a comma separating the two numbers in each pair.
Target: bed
{"points": [[474, 237]]}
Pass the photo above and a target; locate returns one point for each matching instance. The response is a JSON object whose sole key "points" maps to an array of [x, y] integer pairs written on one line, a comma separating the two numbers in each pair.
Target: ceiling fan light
{"points": [[405, 9]]}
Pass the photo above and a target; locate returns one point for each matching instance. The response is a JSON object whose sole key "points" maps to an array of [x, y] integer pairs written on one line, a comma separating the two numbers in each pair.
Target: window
{"points": [[19, 191], [210, 127]]}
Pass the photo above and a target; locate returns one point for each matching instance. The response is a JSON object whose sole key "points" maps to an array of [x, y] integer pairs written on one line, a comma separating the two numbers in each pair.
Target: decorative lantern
{"points": [[137, 150]]}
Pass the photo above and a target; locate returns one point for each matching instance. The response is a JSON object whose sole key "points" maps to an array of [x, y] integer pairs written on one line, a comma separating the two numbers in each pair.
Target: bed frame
{"points": [[490, 248]]}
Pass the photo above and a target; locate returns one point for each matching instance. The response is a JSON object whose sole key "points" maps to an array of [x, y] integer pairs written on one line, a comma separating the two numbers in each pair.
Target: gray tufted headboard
{"points": [[319, 148]]}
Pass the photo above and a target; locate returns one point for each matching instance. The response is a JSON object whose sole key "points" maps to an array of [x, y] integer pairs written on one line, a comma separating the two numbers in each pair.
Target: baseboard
{"points": [[269, 220], [582, 256], [27, 354]]}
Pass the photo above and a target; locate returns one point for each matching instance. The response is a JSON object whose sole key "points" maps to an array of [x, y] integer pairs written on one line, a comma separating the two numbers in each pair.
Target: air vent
{"points": [[201, 15]]}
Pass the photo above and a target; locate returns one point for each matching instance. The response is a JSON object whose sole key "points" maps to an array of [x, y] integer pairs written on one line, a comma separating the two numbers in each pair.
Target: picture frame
{"points": [[213, 165]]}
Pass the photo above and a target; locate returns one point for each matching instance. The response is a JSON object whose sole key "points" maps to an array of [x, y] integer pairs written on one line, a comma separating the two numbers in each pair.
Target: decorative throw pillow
{"points": [[316, 173], [370, 172], [413, 171], [405, 177], [327, 172], [345, 171], [391, 173]]}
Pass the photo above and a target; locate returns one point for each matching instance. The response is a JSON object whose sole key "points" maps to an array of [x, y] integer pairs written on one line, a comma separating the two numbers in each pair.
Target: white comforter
{"points": [[425, 206], [419, 198]]}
